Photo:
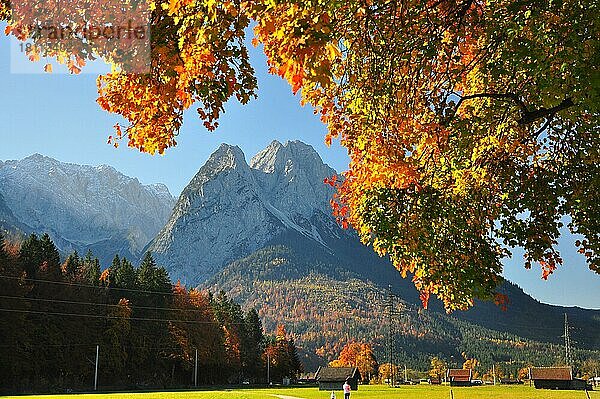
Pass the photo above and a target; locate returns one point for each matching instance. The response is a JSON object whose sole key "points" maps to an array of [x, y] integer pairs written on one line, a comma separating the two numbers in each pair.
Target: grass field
{"points": [[364, 392]]}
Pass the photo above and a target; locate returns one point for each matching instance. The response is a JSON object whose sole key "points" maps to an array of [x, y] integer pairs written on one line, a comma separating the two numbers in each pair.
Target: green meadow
{"points": [[364, 392]]}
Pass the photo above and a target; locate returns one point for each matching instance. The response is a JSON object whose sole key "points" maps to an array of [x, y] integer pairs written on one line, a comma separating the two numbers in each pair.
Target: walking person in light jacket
{"points": [[347, 389]]}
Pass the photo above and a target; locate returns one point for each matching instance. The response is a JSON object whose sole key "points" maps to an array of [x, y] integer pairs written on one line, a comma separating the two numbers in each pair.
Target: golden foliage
{"points": [[472, 126]]}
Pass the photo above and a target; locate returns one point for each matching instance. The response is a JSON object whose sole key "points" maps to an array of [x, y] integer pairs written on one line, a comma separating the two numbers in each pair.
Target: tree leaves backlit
{"points": [[472, 126]]}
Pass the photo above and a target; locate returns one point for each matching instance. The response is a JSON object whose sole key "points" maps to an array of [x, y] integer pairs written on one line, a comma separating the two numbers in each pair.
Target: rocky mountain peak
{"points": [[267, 159], [226, 157], [225, 160], [230, 208], [279, 157], [37, 157], [292, 177]]}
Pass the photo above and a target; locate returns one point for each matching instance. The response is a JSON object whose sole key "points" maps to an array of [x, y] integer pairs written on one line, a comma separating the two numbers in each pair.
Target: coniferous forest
{"points": [[148, 332]]}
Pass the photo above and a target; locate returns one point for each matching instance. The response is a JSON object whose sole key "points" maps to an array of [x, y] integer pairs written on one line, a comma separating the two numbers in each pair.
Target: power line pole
{"points": [[96, 372], [391, 334], [494, 372], [568, 354], [196, 370]]}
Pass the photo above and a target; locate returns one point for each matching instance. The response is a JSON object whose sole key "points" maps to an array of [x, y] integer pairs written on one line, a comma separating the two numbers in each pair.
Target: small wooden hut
{"points": [[333, 378], [555, 378], [459, 377]]}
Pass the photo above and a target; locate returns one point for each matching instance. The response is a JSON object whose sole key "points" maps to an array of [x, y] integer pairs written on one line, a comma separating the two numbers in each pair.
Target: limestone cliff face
{"points": [[232, 208], [84, 207]]}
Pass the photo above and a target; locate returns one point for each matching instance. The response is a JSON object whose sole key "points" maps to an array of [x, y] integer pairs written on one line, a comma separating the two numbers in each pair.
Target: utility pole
{"points": [[96, 372], [196, 370], [568, 354], [391, 334], [494, 372], [405, 373]]}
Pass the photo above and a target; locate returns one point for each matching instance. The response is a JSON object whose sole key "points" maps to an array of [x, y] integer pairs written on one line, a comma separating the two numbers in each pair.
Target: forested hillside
{"points": [[327, 301], [54, 315]]}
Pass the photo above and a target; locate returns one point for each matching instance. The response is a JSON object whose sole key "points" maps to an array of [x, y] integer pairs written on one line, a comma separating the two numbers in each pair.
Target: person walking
{"points": [[347, 389], [332, 394]]}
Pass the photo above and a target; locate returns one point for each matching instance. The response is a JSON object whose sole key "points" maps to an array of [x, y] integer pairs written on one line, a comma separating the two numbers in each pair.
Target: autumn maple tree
{"points": [[471, 125], [438, 368], [357, 354]]}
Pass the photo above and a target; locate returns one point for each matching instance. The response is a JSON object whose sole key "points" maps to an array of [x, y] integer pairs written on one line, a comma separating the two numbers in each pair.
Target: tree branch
{"points": [[527, 116], [530, 117], [497, 96]]}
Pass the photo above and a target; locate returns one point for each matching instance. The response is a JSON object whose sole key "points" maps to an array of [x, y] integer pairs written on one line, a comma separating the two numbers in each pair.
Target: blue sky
{"points": [[56, 115]]}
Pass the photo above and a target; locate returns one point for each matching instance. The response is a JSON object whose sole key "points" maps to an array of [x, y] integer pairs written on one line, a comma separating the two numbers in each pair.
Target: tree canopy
{"points": [[148, 334], [471, 125], [356, 354]]}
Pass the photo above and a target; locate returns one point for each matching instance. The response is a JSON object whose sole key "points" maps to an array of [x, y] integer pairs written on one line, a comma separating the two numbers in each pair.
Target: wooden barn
{"points": [[555, 378], [333, 378], [459, 377]]}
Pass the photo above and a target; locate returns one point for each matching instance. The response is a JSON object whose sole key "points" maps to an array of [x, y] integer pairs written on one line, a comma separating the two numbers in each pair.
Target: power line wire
{"points": [[109, 317], [89, 285], [84, 345], [96, 304]]}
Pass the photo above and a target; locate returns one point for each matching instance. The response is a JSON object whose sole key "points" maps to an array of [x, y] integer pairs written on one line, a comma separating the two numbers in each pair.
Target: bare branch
{"points": [[530, 117], [527, 116]]}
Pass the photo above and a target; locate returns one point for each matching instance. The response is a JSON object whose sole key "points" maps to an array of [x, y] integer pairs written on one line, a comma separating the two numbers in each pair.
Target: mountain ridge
{"points": [[82, 206], [228, 192]]}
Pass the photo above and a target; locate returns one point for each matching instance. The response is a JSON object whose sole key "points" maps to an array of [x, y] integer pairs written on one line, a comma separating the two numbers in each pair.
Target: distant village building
{"points": [[459, 377], [333, 378], [555, 378], [307, 378], [435, 380]]}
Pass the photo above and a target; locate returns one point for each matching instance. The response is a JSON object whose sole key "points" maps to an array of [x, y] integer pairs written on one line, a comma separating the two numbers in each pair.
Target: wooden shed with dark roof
{"points": [[555, 378], [459, 377], [333, 378]]}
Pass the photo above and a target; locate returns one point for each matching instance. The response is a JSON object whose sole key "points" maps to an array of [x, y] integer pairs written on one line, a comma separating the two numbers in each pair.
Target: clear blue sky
{"points": [[56, 115]]}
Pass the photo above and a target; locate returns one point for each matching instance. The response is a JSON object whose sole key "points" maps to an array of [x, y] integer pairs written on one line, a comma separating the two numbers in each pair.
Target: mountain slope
{"points": [[263, 232], [325, 300], [8, 221], [83, 207]]}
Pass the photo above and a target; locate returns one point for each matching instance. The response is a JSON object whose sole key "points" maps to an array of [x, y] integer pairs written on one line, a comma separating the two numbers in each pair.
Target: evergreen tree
{"points": [[295, 365], [109, 275], [50, 258], [89, 271], [150, 277], [116, 263], [253, 345], [116, 339], [125, 275], [71, 266], [30, 255]]}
